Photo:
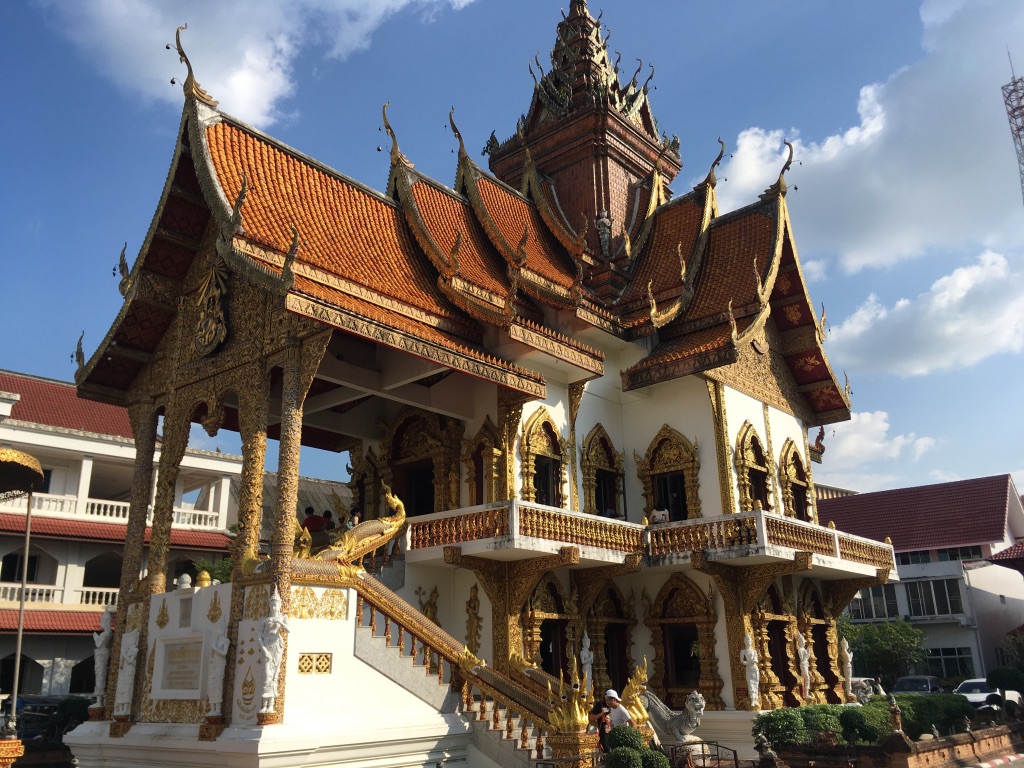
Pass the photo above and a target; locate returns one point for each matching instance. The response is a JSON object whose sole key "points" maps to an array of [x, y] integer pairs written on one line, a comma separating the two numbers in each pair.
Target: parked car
{"points": [[978, 692], [917, 684]]}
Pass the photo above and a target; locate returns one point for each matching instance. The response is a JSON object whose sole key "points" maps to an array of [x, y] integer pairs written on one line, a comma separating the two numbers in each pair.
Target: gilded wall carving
{"points": [[575, 398], [599, 454], [722, 452], [670, 451], [510, 413]]}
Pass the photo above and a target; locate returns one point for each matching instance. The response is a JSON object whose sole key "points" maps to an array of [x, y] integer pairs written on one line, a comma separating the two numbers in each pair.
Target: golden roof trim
{"points": [[191, 88], [499, 372]]}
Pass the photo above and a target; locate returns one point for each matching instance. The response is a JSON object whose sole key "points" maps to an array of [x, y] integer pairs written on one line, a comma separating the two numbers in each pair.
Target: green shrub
{"points": [[652, 758], [624, 757], [876, 713], [625, 736], [855, 726], [920, 712], [821, 718], [781, 727]]}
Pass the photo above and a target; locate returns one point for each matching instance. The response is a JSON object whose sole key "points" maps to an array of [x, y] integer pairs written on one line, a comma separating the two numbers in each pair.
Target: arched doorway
{"points": [[546, 623], [420, 454], [776, 637], [669, 472], [682, 623], [611, 624]]}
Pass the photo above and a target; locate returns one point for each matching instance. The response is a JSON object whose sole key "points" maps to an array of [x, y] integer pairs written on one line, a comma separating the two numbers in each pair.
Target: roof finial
{"points": [[79, 354], [455, 130], [682, 263], [733, 330], [396, 153], [190, 86], [779, 187], [711, 180], [122, 264]]}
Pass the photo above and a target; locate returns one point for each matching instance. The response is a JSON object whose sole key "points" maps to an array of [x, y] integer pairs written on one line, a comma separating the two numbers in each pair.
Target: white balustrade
{"points": [[107, 510], [97, 596], [34, 593], [48, 503]]}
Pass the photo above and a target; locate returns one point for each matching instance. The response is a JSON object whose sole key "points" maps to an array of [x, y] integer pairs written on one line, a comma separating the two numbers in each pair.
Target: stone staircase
{"points": [[394, 639]]}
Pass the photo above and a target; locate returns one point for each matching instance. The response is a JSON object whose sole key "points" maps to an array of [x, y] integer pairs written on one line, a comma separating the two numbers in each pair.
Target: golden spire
{"points": [[458, 134], [190, 86]]}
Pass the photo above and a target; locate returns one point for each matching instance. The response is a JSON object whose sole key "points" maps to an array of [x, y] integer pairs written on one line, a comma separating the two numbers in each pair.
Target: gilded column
{"points": [[253, 410], [773, 465], [143, 420], [510, 413], [575, 397], [283, 537], [717, 393], [172, 449]]}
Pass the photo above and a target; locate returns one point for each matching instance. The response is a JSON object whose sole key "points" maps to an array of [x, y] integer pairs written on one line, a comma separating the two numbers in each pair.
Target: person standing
{"points": [[608, 714]]}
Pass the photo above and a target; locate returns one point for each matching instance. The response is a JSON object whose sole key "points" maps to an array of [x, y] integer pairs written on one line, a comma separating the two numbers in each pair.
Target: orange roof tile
{"points": [[676, 224], [447, 216], [728, 270], [343, 228], [40, 621], [60, 528], [511, 214]]}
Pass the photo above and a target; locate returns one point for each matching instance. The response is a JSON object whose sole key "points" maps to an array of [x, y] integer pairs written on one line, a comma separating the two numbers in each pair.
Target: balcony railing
{"points": [[34, 593], [101, 510], [757, 534], [522, 525]]}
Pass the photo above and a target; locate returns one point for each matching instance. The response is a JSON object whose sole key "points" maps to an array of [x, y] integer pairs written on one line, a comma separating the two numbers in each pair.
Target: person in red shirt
{"points": [[313, 522]]}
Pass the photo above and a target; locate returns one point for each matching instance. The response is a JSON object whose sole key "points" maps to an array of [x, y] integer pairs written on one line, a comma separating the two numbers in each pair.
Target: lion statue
{"points": [[672, 726]]}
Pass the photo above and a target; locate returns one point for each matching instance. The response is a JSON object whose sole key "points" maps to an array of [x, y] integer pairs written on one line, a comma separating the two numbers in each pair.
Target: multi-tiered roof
{"points": [[573, 232]]}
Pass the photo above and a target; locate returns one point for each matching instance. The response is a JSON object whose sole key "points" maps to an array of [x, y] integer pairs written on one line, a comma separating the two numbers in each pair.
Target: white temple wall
{"points": [[684, 405]]}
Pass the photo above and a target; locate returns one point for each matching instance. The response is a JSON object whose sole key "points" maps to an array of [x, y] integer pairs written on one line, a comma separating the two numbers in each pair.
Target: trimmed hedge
{"points": [[625, 736], [652, 758], [863, 725], [624, 757]]}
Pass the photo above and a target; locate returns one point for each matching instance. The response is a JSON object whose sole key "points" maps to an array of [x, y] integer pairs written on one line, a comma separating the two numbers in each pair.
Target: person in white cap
{"points": [[609, 714]]}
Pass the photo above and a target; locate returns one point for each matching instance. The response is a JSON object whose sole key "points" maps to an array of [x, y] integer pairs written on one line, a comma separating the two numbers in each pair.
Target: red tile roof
{"points": [[40, 621], [954, 514], [56, 404], [61, 528]]}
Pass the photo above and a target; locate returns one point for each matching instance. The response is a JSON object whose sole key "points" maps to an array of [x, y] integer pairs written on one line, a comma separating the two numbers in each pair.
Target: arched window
{"points": [[796, 497], [752, 470], [42, 567], [602, 475], [482, 466], [668, 472], [542, 452]]}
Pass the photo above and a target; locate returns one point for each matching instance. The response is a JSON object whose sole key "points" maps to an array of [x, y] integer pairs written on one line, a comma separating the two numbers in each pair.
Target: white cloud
{"points": [[242, 51], [930, 163], [973, 313], [861, 454]]}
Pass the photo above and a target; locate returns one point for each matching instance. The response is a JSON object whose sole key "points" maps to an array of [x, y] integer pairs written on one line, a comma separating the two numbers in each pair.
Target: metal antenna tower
{"points": [[1013, 95]]}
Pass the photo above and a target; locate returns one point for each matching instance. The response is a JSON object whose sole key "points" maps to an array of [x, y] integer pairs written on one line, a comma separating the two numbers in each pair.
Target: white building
{"points": [[942, 535], [78, 526]]}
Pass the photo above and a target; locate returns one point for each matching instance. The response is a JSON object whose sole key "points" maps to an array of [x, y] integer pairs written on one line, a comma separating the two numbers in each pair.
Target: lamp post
{"points": [[20, 475]]}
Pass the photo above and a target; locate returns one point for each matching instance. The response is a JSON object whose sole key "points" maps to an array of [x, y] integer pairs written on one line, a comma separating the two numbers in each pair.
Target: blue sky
{"points": [[906, 199]]}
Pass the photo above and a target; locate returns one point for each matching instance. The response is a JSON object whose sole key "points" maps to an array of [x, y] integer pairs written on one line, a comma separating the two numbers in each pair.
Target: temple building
{"points": [[575, 406]]}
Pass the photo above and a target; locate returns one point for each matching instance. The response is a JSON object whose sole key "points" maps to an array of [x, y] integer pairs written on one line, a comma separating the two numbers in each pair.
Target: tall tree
{"points": [[887, 649]]}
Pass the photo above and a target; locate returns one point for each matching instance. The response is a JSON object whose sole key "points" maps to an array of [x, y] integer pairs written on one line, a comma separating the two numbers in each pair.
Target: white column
{"points": [[84, 478], [223, 499]]}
